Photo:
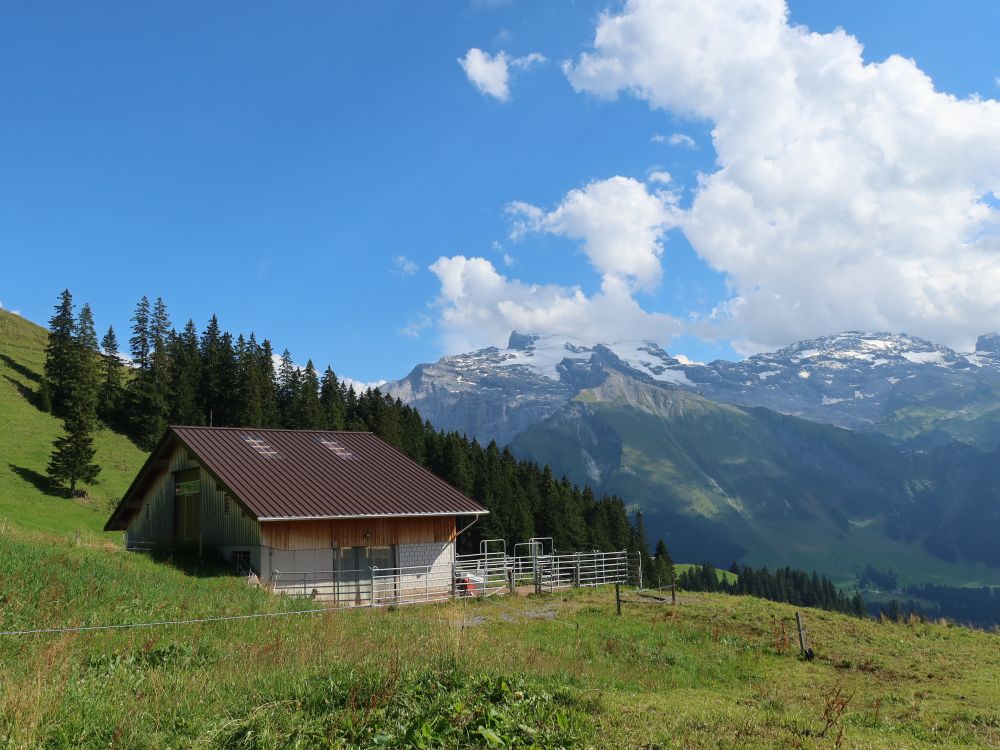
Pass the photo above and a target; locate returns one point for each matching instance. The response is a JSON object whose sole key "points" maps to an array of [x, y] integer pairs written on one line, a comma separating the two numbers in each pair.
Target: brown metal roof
{"points": [[307, 474]]}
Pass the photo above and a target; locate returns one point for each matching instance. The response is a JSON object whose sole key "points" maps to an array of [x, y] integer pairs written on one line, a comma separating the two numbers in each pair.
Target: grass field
{"points": [[550, 671], [26, 442]]}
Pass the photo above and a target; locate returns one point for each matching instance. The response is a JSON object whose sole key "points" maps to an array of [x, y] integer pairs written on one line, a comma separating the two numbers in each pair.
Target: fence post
{"points": [[576, 571], [673, 585], [538, 576], [371, 595], [640, 570], [807, 652], [618, 598], [510, 580], [453, 575]]}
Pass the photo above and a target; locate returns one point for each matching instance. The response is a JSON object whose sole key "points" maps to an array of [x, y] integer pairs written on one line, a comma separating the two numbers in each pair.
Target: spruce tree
{"points": [[86, 381], [663, 564], [140, 344], [60, 356], [72, 457], [331, 402], [86, 335], [269, 386], [287, 389], [159, 326], [308, 413], [248, 409], [109, 399], [72, 460], [185, 377]]}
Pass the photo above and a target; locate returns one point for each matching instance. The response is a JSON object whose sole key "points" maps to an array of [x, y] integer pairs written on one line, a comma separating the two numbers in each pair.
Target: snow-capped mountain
{"points": [[851, 379], [856, 379], [496, 393]]}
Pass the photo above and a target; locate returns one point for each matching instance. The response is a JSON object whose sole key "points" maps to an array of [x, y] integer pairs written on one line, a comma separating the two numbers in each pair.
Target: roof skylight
{"points": [[339, 449], [261, 447]]}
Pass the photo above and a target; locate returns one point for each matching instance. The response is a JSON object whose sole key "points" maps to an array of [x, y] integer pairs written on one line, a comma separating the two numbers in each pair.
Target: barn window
{"points": [[192, 487]]}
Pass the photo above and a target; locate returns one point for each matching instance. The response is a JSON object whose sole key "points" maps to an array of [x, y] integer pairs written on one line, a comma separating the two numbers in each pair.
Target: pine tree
{"points": [[60, 356], [86, 380], [86, 335], [269, 414], [73, 455], [331, 402], [140, 344], [287, 389], [663, 564], [148, 392], [185, 377], [308, 414], [159, 326], [109, 399]]}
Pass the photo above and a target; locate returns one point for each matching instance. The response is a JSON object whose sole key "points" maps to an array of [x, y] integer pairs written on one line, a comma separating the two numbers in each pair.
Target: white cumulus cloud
{"points": [[620, 225], [847, 194], [491, 74], [480, 307], [674, 139], [619, 222]]}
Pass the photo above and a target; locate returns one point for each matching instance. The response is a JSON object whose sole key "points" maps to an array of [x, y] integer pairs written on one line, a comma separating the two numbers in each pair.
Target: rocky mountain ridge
{"points": [[894, 383]]}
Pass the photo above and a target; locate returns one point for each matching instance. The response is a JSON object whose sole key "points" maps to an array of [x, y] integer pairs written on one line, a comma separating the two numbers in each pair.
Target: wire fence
{"points": [[487, 573]]}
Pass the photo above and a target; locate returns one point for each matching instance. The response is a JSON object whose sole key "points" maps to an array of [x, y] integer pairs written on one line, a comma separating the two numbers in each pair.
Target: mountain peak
{"points": [[988, 343], [521, 340]]}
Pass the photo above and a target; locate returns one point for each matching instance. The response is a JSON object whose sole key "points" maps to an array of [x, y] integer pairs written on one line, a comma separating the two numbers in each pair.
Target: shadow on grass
{"points": [[21, 369], [41, 482], [31, 396], [187, 562]]}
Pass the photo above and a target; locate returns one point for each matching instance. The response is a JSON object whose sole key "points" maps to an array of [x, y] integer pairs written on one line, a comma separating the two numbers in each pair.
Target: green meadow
{"points": [[546, 671]]}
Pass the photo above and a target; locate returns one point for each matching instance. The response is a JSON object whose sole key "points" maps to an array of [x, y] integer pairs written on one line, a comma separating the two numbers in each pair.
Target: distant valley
{"points": [[832, 453]]}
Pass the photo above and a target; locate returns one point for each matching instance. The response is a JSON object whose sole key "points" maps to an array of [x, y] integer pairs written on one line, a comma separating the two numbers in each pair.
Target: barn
{"points": [[309, 510]]}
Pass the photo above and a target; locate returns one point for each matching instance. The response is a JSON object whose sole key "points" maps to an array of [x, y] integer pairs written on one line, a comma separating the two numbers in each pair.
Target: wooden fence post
{"points": [[807, 652], [618, 598]]}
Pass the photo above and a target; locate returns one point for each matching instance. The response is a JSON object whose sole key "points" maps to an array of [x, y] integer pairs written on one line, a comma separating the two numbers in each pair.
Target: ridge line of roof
{"points": [[267, 429]]}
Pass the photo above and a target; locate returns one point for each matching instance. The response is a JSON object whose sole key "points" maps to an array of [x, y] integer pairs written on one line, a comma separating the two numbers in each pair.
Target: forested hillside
{"points": [[213, 377]]}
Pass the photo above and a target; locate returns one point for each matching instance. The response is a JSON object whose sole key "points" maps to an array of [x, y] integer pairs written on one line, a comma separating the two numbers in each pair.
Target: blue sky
{"points": [[273, 164]]}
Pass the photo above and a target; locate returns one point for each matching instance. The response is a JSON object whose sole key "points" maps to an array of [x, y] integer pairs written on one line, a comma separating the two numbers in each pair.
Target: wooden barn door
{"points": [[187, 507]]}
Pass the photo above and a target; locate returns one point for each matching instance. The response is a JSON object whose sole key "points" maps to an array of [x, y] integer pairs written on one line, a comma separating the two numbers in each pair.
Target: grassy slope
{"points": [[714, 672], [722, 575], [26, 442]]}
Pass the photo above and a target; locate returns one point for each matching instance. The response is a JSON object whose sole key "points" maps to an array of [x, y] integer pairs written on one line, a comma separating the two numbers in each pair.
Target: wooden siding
{"points": [[153, 521], [374, 532], [238, 527]]}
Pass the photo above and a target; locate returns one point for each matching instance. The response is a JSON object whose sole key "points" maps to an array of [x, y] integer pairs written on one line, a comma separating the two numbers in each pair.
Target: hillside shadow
{"points": [[31, 396], [41, 482], [20, 369]]}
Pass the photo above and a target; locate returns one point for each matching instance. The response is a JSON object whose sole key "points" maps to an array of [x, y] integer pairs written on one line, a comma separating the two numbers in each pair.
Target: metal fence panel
{"points": [[483, 574]]}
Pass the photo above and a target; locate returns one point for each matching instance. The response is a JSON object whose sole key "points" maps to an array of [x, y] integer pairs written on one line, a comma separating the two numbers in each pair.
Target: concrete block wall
{"points": [[435, 553], [437, 582]]}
